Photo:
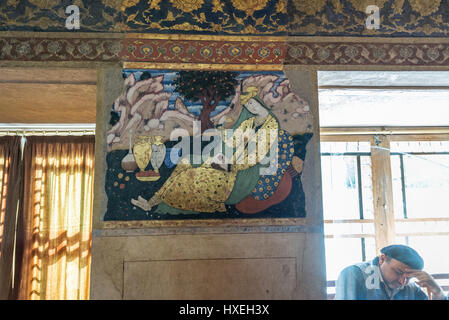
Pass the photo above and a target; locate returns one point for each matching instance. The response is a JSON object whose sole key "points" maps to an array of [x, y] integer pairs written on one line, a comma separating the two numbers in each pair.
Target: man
{"points": [[387, 276]]}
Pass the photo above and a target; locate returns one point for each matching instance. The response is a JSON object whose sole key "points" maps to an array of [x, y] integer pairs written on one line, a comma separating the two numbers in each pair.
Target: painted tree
{"points": [[209, 87]]}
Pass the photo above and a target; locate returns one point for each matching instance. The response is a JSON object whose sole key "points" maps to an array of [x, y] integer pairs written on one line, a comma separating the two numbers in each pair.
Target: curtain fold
{"points": [[11, 178], [55, 224]]}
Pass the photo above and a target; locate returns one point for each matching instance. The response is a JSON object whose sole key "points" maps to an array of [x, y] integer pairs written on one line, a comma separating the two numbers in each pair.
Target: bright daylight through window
{"points": [[384, 135]]}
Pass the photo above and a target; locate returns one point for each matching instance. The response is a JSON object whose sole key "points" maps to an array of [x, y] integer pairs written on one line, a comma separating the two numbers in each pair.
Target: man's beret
{"points": [[405, 255]]}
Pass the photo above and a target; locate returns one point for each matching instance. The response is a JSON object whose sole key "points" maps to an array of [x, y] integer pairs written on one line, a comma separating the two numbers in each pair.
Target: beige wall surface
{"points": [[47, 95], [219, 266], [245, 262]]}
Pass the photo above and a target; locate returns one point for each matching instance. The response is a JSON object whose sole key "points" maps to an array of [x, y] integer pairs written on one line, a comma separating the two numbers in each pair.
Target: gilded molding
{"points": [[132, 232], [204, 223], [204, 37], [202, 66], [366, 53]]}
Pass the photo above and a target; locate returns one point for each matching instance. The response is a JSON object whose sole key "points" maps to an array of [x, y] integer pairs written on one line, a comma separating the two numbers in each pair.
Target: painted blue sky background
{"points": [[195, 107]]}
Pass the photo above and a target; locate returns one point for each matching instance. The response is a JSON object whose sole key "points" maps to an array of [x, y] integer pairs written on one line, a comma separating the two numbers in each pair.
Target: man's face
{"points": [[393, 272], [244, 97]]}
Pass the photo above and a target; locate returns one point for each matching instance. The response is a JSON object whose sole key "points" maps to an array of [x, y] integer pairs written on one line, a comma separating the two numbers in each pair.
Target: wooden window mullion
{"points": [[384, 221]]}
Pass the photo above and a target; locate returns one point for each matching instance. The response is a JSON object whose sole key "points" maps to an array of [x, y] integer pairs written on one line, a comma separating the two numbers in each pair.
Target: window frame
{"points": [[384, 220]]}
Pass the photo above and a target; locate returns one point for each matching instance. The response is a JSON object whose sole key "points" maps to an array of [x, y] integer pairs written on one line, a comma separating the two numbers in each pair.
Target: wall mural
{"points": [[206, 145]]}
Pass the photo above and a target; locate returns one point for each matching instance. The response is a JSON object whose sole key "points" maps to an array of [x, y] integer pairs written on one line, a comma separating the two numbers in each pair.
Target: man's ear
{"points": [[382, 259]]}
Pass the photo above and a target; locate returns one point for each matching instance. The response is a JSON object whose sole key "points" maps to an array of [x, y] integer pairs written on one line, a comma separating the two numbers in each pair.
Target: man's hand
{"points": [[425, 280]]}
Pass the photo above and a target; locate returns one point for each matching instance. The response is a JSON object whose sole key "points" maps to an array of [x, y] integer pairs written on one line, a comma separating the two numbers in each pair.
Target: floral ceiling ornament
{"points": [[154, 4], [128, 3], [425, 7], [361, 5], [249, 6], [187, 5], [111, 3], [217, 6], [43, 4], [281, 6], [309, 7], [12, 3]]}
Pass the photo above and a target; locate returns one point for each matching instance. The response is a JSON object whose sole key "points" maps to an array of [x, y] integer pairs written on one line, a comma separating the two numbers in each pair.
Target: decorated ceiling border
{"points": [[51, 15], [348, 51], [397, 18], [204, 52], [60, 47], [249, 17], [158, 51]]}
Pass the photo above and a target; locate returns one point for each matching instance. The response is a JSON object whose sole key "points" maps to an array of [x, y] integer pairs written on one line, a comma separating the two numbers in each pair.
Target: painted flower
{"points": [[154, 4], [425, 7], [295, 52], [405, 52], [379, 53], [176, 49], [263, 52], [146, 50], [433, 53], [235, 51], [281, 6], [309, 7], [249, 6], [85, 48], [323, 53], [187, 5], [351, 51], [53, 47], [206, 52], [23, 49], [115, 47], [217, 6]]}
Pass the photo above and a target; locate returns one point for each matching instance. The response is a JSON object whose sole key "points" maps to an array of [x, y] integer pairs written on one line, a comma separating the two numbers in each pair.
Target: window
{"points": [[376, 141], [420, 185], [348, 209]]}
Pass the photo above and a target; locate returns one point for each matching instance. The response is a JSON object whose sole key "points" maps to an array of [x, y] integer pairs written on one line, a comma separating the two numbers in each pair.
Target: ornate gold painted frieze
{"points": [[204, 52], [50, 15], [398, 18], [251, 17]]}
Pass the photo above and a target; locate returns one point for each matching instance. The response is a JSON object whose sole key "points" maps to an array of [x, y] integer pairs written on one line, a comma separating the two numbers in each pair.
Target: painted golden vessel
{"points": [[142, 153]]}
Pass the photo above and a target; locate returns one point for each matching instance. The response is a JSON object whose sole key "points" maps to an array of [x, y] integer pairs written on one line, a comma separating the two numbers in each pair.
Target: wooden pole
{"points": [[382, 192]]}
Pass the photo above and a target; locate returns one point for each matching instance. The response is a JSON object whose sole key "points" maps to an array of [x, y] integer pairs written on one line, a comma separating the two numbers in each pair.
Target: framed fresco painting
{"points": [[201, 145]]}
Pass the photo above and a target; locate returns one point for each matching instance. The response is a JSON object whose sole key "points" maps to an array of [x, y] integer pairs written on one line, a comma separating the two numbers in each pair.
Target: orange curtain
{"points": [[56, 219], [10, 192]]}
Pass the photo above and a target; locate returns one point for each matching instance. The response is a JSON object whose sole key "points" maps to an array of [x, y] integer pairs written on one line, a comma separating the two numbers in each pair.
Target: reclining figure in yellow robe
{"points": [[206, 188]]}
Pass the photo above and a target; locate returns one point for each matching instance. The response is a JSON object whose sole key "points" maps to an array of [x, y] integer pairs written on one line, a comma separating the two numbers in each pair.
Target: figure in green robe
{"points": [[209, 187]]}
